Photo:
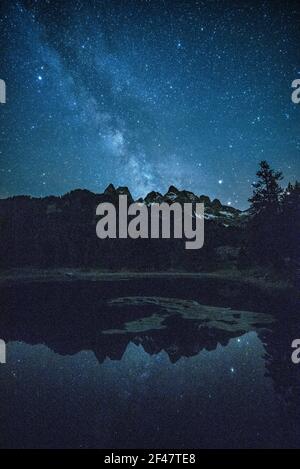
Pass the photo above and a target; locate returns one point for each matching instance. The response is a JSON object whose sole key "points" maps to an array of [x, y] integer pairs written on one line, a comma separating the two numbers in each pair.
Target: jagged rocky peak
{"points": [[153, 197], [173, 190], [172, 193], [123, 190], [110, 189], [216, 204], [189, 196], [204, 199], [183, 196]]}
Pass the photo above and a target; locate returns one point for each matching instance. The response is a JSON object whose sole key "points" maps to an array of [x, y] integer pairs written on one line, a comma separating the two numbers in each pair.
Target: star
{"points": [[173, 85]]}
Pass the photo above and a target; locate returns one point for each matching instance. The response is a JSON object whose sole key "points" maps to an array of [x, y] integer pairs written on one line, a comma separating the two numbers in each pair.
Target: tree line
{"points": [[273, 228]]}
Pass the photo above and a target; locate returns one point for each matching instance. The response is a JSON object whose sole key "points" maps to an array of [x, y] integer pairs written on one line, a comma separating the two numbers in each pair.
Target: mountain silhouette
{"points": [[58, 231]]}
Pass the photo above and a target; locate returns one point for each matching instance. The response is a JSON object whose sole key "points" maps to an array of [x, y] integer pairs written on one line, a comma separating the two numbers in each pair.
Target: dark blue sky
{"points": [[148, 94]]}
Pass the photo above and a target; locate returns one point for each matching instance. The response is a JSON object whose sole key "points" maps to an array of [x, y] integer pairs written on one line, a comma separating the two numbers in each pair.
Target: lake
{"points": [[146, 364]]}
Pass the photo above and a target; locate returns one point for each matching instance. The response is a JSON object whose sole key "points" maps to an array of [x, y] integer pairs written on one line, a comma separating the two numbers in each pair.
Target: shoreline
{"points": [[253, 277]]}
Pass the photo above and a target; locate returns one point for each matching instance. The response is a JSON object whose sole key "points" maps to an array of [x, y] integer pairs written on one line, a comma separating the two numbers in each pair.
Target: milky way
{"points": [[148, 94]]}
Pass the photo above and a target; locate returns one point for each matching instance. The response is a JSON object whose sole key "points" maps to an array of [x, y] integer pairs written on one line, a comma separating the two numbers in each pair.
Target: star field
{"points": [[148, 94]]}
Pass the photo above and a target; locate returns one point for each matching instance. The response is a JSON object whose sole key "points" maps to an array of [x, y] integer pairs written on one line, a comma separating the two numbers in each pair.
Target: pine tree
{"points": [[291, 198], [267, 191], [264, 239], [274, 227]]}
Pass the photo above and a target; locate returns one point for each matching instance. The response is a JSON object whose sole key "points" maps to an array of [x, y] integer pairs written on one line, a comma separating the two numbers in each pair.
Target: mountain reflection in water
{"points": [[144, 371]]}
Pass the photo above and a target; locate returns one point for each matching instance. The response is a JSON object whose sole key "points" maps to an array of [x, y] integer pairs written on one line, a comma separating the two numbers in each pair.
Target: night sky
{"points": [[147, 94]]}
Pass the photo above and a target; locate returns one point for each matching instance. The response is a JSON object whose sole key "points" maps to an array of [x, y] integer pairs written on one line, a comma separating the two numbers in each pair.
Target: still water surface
{"points": [[144, 371]]}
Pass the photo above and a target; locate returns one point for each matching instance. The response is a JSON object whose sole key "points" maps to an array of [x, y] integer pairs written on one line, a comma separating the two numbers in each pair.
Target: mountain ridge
{"points": [[213, 208]]}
